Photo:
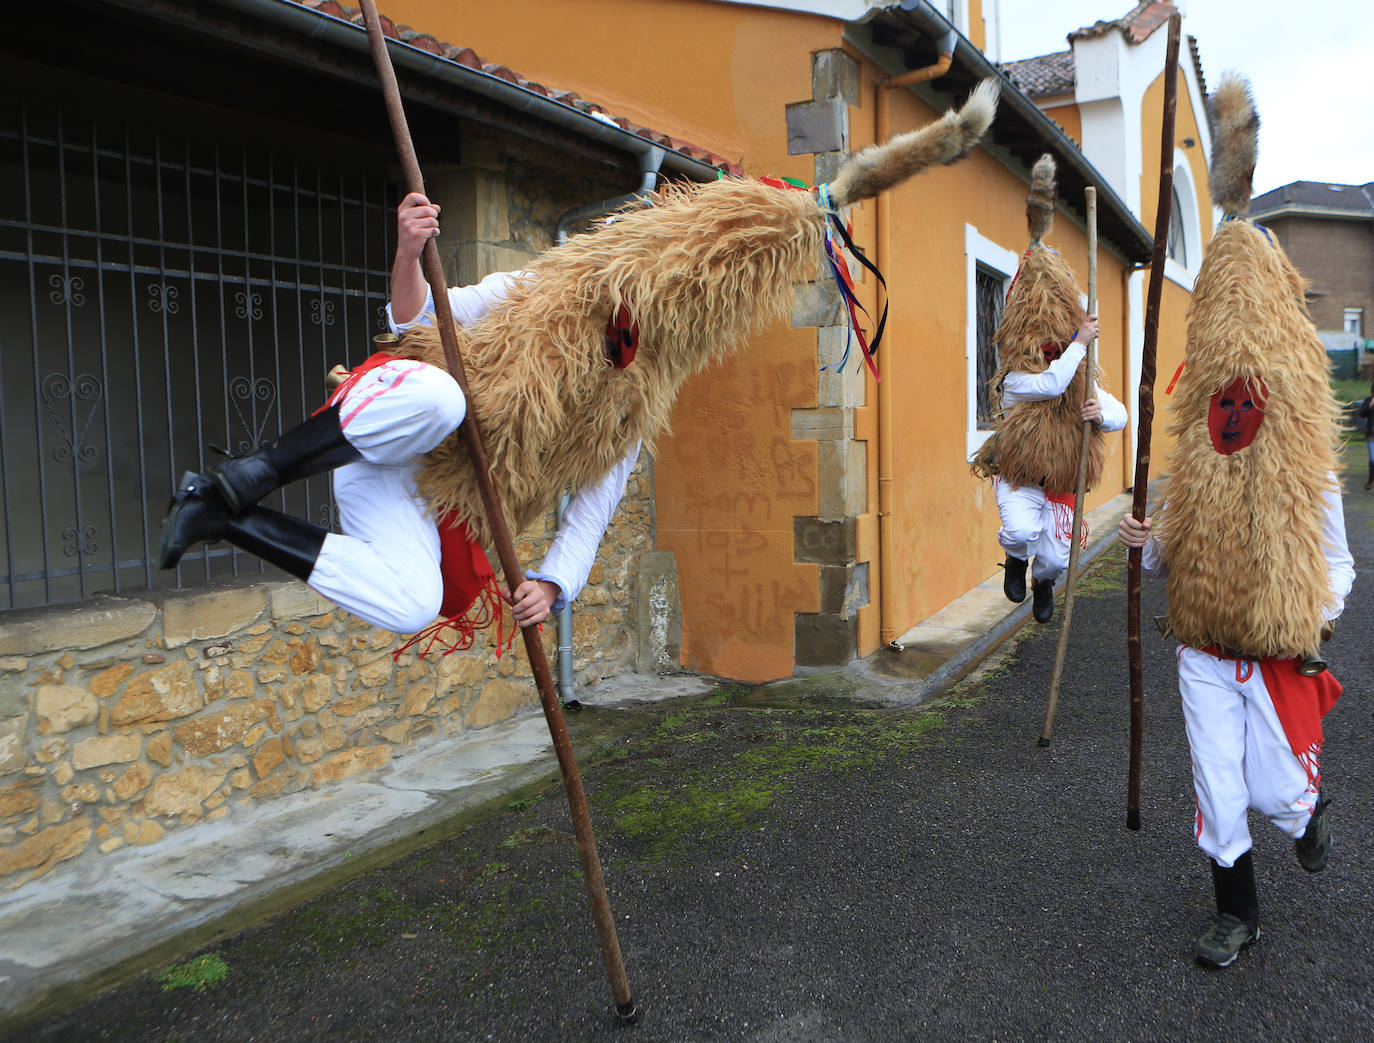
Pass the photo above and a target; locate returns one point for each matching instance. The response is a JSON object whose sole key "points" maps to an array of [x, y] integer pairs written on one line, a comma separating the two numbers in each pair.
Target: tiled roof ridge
{"points": [[1137, 25], [1044, 74], [467, 57]]}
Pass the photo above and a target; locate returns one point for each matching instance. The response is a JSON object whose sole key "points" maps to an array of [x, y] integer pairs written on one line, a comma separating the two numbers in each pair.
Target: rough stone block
{"points": [[180, 792], [823, 639], [659, 611], [294, 600], [13, 756], [106, 749], [826, 165], [350, 762], [211, 612], [499, 701], [834, 74], [822, 424], [817, 126], [843, 387], [476, 260], [13, 700], [160, 695], [825, 542], [44, 850], [101, 620], [62, 707], [842, 478], [816, 304], [212, 732]]}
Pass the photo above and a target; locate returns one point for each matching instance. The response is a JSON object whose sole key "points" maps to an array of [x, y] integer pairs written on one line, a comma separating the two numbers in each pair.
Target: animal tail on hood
{"points": [[1040, 200], [1235, 128], [879, 167]]}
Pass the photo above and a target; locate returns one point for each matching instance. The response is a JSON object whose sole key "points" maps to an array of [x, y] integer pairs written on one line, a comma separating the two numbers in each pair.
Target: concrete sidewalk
{"points": [[79, 930]]}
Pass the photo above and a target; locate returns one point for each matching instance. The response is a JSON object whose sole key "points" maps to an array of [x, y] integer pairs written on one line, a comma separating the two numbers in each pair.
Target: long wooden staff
{"points": [[505, 548], [1145, 413], [1090, 199]]}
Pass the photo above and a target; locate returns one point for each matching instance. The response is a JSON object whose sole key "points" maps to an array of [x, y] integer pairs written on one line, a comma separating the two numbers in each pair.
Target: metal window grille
{"points": [[163, 289], [991, 289]]}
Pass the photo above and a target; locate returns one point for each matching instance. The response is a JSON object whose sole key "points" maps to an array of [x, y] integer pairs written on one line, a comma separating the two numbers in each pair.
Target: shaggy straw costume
{"points": [[1038, 443], [571, 371], [701, 268], [1255, 537], [1264, 593]]}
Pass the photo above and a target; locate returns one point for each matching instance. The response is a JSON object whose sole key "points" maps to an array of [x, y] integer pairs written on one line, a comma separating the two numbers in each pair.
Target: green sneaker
{"points": [[1224, 940], [1313, 848]]}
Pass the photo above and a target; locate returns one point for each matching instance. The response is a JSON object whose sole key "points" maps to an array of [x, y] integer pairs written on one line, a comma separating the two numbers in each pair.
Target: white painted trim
{"points": [[1183, 275], [843, 10], [978, 249]]}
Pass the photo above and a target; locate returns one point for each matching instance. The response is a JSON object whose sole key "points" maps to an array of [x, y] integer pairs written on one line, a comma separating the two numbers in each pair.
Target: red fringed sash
{"points": [[473, 598], [1301, 703], [1063, 518]]}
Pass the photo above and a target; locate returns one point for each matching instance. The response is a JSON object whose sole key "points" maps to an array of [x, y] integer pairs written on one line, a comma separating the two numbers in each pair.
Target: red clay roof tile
{"points": [[468, 58]]}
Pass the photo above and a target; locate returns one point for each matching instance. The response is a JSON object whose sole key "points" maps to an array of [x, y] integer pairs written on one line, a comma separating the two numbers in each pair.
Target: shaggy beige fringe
{"points": [[1235, 128], [1040, 201], [1039, 443], [1243, 533], [879, 167], [702, 267]]}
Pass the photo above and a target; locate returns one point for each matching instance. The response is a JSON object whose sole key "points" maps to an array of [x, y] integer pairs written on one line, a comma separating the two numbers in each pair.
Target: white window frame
{"points": [[1186, 276], [978, 249], [1353, 321]]}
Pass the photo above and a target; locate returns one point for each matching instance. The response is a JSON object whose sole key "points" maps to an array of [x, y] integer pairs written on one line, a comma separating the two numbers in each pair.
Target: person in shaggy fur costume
{"points": [[1032, 456], [572, 366], [1253, 537]]}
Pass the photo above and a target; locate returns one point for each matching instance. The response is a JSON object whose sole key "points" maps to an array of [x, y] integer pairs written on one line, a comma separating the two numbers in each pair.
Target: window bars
{"points": [[163, 290]]}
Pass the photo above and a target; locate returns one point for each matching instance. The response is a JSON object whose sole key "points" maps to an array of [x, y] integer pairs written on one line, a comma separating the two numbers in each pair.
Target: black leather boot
{"points": [[1014, 579], [1237, 922], [312, 447], [1042, 600], [1313, 848], [198, 515]]}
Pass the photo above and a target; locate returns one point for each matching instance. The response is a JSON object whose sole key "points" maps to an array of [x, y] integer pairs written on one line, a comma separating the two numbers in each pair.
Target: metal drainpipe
{"points": [[887, 554], [650, 162]]}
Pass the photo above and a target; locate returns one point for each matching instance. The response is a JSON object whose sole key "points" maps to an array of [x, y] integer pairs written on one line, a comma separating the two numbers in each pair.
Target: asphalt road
{"points": [[839, 874]]}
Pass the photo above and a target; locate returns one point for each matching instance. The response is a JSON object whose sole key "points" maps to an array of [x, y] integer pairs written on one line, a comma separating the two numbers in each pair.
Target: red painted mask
{"points": [[622, 338], [1235, 415]]}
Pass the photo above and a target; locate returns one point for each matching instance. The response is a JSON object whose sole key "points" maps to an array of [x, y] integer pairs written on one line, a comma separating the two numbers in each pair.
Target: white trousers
{"points": [[1029, 531], [1241, 758], [385, 566]]}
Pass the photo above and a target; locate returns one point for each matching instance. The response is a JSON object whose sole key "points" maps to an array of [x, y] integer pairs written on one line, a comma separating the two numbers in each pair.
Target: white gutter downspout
{"points": [[650, 162]]}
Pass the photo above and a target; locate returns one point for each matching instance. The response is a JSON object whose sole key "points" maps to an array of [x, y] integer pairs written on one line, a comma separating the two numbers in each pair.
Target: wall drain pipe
{"points": [[650, 162]]}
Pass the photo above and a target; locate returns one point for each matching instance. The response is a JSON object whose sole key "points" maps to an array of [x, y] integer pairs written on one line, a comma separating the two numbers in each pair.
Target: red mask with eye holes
{"points": [[622, 338], [1235, 415]]}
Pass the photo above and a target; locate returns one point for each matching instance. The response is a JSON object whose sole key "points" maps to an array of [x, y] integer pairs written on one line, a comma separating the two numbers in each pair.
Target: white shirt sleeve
{"points": [[1340, 565], [1113, 412], [570, 559], [468, 303], [1020, 386]]}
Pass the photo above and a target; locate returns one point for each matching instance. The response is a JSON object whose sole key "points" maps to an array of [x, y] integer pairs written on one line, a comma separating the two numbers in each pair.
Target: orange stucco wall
{"points": [[946, 520], [730, 479], [1174, 299]]}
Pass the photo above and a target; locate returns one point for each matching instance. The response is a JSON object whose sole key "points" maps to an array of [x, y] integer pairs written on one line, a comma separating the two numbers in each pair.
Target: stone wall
{"points": [[124, 718]]}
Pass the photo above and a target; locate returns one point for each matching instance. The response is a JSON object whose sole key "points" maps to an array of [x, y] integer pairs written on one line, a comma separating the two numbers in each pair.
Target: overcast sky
{"points": [[1309, 65]]}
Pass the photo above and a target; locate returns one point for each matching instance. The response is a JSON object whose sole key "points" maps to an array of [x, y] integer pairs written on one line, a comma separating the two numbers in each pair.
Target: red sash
{"points": [[1301, 703]]}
